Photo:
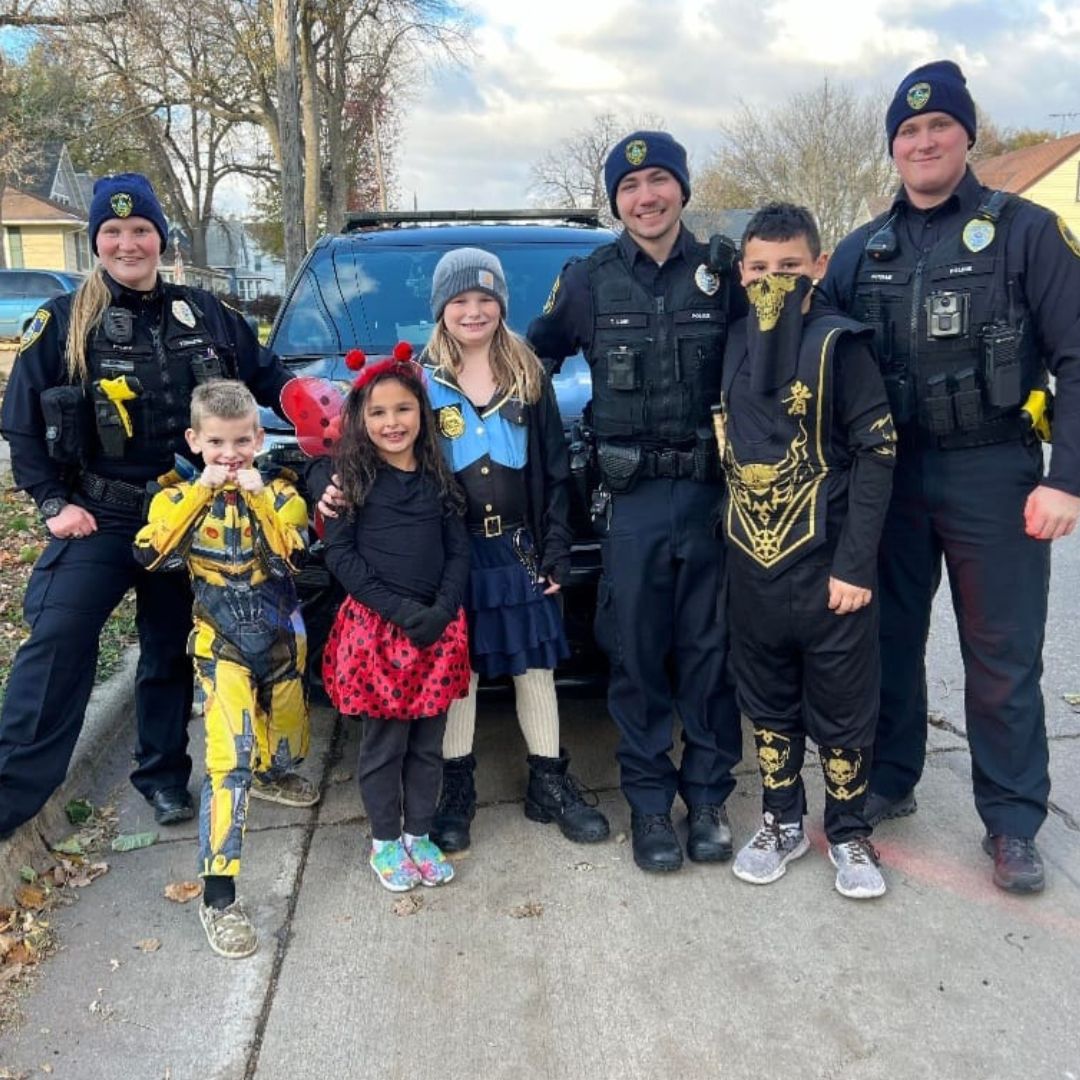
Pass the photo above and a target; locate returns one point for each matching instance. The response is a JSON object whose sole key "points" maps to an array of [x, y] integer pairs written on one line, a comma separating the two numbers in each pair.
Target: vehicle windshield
{"points": [[383, 295]]}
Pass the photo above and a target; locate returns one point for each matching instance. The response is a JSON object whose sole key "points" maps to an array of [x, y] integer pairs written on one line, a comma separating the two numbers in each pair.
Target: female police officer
{"points": [[96, 406]]}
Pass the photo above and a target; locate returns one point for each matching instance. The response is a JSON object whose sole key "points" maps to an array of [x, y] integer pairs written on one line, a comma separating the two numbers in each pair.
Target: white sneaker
{"points": [[764, 859], [857, 873]]}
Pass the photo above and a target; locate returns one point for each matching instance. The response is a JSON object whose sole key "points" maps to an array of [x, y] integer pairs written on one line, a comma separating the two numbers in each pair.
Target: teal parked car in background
{"points": [[22, 292]]}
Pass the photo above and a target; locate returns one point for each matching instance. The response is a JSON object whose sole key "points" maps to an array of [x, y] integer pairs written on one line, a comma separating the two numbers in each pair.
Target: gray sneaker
{"points": [[765, 857], [857, 873]]}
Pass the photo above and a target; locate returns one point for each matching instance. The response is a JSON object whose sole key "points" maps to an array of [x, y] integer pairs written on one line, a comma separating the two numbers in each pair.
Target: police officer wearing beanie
{"points": [[975, 299], [96, 407], [651, 315]]}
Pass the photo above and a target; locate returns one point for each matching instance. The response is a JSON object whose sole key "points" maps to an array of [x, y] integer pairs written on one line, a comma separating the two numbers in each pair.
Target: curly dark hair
{"points": [[357, 461]]}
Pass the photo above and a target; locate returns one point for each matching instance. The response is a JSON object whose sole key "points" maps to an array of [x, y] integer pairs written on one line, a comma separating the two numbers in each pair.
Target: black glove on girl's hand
{"points": [[423, 626]]}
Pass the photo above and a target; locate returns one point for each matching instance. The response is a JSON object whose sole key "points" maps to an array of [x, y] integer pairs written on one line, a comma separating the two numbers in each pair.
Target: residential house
{"points": [[252, 271], [1047, 173]]}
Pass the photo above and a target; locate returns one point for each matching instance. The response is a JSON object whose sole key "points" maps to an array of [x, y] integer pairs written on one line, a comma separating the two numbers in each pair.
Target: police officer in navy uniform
{"points": [[975, 299], [650, 314], [96, 406]]}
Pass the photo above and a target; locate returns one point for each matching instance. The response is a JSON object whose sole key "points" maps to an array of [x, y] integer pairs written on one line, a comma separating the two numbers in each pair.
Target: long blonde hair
{"points": [[516, 369], [91, 299]]}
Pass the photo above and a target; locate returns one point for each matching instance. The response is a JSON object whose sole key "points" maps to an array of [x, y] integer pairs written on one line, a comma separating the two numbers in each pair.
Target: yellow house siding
{"points": [[1057, 191], [43, 248]]}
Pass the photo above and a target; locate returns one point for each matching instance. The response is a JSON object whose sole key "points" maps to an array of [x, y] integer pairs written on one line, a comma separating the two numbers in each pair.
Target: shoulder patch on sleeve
{"points": [[549, 304], [1066, 234], [35, 329]]}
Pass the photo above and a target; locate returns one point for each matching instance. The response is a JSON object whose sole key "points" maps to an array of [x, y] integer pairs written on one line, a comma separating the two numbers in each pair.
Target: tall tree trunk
{"points": [[292, 181], [3, 252], [309, 98]]}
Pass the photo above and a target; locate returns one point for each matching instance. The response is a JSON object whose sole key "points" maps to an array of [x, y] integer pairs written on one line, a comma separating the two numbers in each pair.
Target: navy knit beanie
{"points": [[936, 87], [646, 150], [122, 196]]}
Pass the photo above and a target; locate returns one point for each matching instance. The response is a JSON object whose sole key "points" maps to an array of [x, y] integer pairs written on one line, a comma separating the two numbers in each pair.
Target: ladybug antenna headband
{"points": [[399, 365]]}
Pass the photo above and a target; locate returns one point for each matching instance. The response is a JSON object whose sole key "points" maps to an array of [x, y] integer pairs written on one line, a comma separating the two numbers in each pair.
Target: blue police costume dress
{"points": [[167, 339], [974, 301], [653, 336]]}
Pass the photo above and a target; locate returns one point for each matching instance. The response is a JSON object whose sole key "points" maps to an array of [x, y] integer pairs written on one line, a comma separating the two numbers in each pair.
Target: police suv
{"points": [[370, 287]]}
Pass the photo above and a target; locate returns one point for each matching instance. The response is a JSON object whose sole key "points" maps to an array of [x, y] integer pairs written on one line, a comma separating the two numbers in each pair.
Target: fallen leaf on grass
{"points": [[181, 892], [28, 873], [532, 910], [148, 945], [79, 811], [81, 876], [9, 973], [133, 841], [30, 896], [407, 905], [71, 846], [1072, 699], [7, 942], [19, 955]]}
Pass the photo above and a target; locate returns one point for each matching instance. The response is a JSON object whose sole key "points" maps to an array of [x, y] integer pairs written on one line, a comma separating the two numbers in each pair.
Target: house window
{"points": [[82, 251], [15, 248]]}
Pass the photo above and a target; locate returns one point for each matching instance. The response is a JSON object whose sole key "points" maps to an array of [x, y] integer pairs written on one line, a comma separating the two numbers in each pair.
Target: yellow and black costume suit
{"points": [[248, 640]]}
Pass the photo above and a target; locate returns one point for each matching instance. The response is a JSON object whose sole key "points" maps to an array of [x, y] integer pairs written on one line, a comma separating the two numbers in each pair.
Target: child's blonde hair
{"points": [[223, 399], [514, 366]]}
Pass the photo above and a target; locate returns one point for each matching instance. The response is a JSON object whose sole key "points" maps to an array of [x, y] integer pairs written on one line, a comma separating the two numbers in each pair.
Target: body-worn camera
{"points": [[947, 315]]}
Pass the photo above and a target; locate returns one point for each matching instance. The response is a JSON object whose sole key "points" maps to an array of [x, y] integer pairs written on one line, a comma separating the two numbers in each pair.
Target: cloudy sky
{"points": [[543, 70]]}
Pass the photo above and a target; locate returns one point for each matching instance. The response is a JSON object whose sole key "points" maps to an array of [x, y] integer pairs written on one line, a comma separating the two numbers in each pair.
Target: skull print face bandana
{"points": [[774, 328]]}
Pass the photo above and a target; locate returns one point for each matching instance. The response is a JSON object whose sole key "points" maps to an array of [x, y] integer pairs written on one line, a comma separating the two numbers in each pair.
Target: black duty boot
{"points": [[1018, 866], [709, 836], [554, 795], [457, 804], [656, 847]]}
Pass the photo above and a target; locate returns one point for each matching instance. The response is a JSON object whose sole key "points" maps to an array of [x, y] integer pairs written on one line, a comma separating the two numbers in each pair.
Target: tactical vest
{"points": [[168, 360], [656, 360], [777, 501], [952, 330]]}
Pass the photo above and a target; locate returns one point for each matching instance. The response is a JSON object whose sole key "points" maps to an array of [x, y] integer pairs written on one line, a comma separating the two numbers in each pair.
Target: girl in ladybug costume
{"points": [[397, 655]]}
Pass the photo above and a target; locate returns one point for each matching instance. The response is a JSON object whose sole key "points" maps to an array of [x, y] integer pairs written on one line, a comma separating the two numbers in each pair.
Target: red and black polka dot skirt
{"points": [[371, 668]]}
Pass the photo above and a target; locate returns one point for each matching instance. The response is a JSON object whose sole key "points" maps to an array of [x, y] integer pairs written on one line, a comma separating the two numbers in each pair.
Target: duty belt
{"points": [[667, 464], [1009, 429], [114, 492]]}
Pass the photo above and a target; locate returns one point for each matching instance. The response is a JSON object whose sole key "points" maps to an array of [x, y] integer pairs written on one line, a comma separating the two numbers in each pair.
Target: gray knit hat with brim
{"points": [[463, 269]]}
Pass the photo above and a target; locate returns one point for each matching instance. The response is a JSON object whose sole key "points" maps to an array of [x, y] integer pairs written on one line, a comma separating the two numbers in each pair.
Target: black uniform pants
{"points": [[800, 669], [660, 610], [399, 771], [968, 507], [73, 589]]}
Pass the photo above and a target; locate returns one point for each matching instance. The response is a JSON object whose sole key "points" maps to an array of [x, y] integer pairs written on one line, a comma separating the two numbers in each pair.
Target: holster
{"points": [[620, 465]]}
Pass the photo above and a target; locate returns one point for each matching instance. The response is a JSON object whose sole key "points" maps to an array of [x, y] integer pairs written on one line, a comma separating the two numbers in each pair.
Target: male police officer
{"points": [[650, 314], [975, 297]]}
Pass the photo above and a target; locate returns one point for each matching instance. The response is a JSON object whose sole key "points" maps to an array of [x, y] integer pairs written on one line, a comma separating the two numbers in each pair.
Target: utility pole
{"points": [[292, 175], [1063, 118]]}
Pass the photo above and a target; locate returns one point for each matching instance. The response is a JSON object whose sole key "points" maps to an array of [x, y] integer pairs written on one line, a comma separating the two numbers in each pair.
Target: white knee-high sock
{"points": [[461, 724], [538, 711]]}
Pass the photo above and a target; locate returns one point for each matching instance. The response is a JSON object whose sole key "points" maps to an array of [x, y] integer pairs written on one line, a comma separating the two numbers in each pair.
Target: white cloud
{"points": [[544, 70]]}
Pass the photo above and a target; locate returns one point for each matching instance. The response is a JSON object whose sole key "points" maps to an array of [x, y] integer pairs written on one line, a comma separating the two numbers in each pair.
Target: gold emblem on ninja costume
{"points": [[768, 297], [918, 95], [708, 281], [978, 234], [549, 304], [1068, 236], [636, 151], [774, 752], [885, 428], [799, 397], [451, 422], [122, 204], [842, 768]]}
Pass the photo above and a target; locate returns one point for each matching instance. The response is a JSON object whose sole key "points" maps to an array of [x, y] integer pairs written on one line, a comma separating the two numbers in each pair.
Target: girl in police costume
{"points": [[397, 654], [96, 407], [502, 436]]}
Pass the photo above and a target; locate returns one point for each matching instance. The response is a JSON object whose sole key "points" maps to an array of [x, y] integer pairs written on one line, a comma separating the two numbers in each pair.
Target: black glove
{"points": [[423, 626]]}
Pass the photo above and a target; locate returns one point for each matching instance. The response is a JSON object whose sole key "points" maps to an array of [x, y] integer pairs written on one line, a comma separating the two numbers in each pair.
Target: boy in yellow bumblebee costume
{"points": [[238, 532]]}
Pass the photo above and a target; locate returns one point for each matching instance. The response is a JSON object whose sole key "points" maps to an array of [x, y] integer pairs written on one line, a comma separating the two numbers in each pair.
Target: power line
{"points": [[1062, 118]]}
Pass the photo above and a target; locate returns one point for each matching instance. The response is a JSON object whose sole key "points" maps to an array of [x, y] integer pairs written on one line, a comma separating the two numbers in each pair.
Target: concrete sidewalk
{"points": [[550, 960]]}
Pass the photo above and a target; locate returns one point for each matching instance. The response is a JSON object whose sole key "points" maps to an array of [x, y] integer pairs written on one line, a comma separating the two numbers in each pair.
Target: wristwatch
{"points": [[51, 507]]}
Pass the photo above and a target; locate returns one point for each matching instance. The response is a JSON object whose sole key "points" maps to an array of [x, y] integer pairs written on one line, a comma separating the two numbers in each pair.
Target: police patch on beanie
{"points": [[637, 151], [918, 96], [122, 204]]}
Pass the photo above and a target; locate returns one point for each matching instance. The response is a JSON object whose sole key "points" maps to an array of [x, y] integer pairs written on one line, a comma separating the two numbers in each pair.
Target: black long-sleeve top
{"points": [[857, 492], [401, 544]]}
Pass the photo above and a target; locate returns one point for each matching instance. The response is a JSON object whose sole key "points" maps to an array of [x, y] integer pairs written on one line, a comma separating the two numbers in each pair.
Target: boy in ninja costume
{"points": [[808, 450]]}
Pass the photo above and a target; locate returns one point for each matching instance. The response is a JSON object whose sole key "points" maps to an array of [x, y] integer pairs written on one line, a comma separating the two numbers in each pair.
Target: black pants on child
{"points": [[400, 770], [803, 670]]}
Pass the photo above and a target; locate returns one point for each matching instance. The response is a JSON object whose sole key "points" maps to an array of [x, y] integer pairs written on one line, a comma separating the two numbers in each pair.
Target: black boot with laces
{"points": [[554, 795], [457, 804]]}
